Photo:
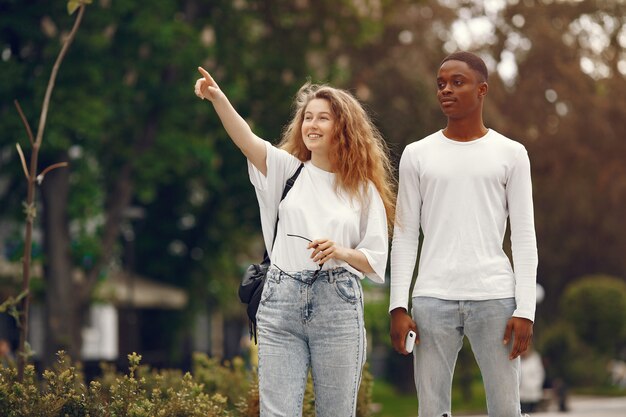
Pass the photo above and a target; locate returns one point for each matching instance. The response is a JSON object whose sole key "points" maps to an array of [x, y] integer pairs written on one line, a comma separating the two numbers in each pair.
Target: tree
{"points": [[33, 177], [561, 105], [136, 135], [595, 307], [556, 70]]}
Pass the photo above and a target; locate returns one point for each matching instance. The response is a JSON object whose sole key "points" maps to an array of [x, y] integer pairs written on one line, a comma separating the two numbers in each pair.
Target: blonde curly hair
{"points": [[358, 153]]}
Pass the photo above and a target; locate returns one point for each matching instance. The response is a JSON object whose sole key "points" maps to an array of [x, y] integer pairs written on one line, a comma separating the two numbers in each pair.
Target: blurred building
{"points": [[126, 305]]}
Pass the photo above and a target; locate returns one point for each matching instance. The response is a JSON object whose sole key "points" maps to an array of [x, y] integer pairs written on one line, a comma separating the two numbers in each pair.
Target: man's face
{"points": [[460, 90]]}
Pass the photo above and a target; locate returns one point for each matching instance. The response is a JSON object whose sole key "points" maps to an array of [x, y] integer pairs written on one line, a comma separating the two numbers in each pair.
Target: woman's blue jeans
{"points": [[442, 324], [306, 325]]}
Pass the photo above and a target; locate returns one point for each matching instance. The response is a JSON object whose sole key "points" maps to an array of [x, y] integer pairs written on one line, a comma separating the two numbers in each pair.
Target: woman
{"points": [[332, 231]]}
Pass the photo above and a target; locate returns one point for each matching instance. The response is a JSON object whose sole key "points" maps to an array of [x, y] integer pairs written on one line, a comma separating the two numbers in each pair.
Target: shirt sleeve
{"points": [[269, 188], [406, 231], [374, 232], [523, 239]]}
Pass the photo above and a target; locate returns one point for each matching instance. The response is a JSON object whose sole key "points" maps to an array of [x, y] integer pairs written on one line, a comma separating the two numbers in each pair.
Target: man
{"points": [[460, 185]]}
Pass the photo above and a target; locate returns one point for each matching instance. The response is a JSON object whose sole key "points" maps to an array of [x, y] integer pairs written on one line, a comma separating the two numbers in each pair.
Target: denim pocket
{"points": [[347, 288], [268, 289]]}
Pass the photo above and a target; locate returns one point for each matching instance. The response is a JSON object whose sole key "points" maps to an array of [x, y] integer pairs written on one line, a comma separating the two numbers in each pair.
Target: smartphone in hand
{"points": [[409, 342]]}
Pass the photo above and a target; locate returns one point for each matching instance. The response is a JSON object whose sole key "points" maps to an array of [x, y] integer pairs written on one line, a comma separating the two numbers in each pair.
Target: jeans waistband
{"points": [[307, 276]]}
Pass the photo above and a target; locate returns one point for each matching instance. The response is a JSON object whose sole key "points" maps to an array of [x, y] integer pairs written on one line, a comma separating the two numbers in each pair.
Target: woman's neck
{"points": [[321, 161]]}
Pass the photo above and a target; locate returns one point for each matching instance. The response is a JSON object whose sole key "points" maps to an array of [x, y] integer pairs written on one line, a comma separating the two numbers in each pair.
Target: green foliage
{"points": [[364, 397], [124, 114], [578, 183], [592, 331], [558, 346], [124, 97], [390, 402], [213, 390], [64, 394], [73, 5], [10, 306], [595, 308], [232, 379], [570, 359]]}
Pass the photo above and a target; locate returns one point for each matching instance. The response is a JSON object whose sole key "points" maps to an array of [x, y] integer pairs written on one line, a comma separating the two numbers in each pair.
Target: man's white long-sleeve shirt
{"points": [[460, 194]]}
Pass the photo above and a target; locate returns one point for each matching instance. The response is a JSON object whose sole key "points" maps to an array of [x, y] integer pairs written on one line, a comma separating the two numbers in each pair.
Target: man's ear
{"points": [[482, 89]]}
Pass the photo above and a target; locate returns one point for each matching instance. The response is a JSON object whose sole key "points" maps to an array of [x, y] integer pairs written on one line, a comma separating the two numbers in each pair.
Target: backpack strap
{"points": [[288, 186]]}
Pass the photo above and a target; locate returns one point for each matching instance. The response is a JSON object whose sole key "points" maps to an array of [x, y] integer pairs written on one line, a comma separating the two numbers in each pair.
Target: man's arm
{"points": [[404, 250], [524, 248]]}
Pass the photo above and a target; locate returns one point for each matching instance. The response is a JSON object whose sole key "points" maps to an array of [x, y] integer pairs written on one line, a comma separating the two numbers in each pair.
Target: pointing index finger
{"points": [[206, 75]]}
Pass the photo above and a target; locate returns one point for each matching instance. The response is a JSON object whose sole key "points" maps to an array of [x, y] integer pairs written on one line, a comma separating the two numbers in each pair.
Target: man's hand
{"points": [[401, 323], [522, 330]]}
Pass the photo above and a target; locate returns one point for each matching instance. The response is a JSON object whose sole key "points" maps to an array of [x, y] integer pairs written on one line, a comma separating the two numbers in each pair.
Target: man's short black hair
{"points": [[472, 60]]}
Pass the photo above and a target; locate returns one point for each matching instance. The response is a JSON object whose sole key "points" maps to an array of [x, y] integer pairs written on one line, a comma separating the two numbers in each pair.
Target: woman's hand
{"points": [[325, 250], [206, 87]]}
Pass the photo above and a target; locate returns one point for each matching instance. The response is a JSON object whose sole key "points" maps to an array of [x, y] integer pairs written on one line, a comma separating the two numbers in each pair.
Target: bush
{"points": [[64, 394], [595, 307], [591, 333], [569, 359], [224, 390], [231, 379], [376, 315]]}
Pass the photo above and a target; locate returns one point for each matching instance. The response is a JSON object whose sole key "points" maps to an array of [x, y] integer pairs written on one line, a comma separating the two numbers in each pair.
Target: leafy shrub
{"points": [[376, 314], [595, 307], [568, 358], [64, 394], [231, 378], [591, 333], [224, 390]]}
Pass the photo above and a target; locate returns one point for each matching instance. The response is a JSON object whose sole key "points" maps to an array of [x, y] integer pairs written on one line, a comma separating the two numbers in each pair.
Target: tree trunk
{"points": [[118, 199], [62, 303], [67, 301]]}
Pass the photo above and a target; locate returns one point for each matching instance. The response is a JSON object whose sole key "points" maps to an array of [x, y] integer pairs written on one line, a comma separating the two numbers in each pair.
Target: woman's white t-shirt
{"points": [[314, 208]]}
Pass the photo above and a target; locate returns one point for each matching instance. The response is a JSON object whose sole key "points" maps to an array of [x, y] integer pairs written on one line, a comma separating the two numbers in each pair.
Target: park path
{"points": [[587, 407]]}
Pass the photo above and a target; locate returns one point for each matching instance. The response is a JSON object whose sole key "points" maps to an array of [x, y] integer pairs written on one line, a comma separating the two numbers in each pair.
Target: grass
{"points": [[389, 402], [603, 391]]}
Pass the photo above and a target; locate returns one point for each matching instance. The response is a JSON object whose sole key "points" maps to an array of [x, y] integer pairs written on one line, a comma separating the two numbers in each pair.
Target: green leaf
{"points": [[12, 301], [72, 5]]}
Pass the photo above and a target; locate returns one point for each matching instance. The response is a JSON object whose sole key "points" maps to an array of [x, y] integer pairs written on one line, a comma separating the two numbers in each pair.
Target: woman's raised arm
{"points": [[252, 146]]}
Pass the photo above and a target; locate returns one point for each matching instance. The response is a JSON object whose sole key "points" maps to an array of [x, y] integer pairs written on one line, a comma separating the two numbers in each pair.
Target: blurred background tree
{"points": [[589, 333], [562, 103], [154, 182], [155, 186]]}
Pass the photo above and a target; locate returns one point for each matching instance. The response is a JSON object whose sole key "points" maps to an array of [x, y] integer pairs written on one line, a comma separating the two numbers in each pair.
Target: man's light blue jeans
{"points": [[442, 324], [316, 326]]}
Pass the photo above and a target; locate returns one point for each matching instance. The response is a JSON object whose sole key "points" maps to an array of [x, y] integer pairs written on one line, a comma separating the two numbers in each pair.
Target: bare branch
{"points": [[53, 75], [23, 159], [50, 168], [30, 200], [31, 138]]}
